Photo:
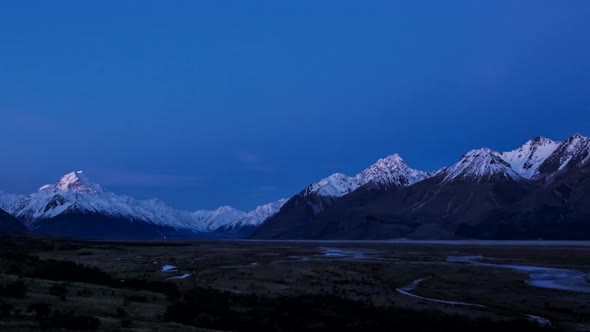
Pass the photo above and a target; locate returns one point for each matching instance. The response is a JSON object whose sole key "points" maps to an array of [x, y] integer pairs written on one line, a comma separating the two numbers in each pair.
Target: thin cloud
{"points": [[252, 161], [151, 180]]}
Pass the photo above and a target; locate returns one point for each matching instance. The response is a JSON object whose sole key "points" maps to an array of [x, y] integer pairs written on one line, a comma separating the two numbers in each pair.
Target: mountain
{"points": [[296, 216], [248, 224], [540, 190], [434, 208], [77, 207], [213, 220], [8, 200], [527, 159], [570, 154], [391, 172], [9, 224], [558, 210], [480, 166]]}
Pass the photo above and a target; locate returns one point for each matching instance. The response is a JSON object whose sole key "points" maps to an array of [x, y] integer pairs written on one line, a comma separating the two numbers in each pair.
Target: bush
{"points": [[16, 289], [5, 309], [58, 290], [70, 271], [121, 312], [136, 298], [126, 323], [217, 310], [40, 309], [71, 321]]}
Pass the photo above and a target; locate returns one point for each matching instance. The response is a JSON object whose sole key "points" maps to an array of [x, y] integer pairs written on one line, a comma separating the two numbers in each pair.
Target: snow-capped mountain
{"points": [[76, 194], [391, 171], [541, 180], [571, 153], [527, 159], [535, 159], [255, 217], [8, 200], [212, 220], [294, 218], [335, 185], [482, 165]]}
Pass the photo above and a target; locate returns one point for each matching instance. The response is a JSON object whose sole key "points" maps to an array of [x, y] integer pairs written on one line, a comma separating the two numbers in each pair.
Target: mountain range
{"points": [[539, 190], [77, 207]]}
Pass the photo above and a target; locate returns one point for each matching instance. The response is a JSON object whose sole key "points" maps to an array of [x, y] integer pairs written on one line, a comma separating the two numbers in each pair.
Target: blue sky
{"points": [[207, 103]]}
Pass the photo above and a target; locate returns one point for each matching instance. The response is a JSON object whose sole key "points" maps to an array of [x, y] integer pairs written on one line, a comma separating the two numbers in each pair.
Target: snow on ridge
{"points": [[75, 182], [218, 218], [527, 159], [8, 200], [259, 215], [335, 185], [479, 165], [391, 171], [74, 192], [572, 152]]}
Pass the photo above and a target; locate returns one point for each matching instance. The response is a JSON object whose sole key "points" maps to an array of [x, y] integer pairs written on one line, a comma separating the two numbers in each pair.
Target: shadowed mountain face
{"points": [[557, 210], [541, 190], [297, 218], [8, 224]]}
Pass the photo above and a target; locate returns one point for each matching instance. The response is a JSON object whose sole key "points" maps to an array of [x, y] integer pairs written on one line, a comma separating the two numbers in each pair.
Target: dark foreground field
{"points": [[48, 284]]}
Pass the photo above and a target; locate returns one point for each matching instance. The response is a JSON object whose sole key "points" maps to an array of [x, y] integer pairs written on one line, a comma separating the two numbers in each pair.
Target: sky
{"points": [[210, 103]]}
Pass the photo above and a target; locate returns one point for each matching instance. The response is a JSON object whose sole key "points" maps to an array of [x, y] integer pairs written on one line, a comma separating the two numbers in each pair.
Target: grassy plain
{"points": [[289, 286]]}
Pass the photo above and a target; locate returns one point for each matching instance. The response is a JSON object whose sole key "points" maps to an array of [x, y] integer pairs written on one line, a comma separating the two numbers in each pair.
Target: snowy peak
{"points": [[222, 216], [388, 172], [336, 185], [570, 153], [258, 216], [74, 182], [527, 159], [476, 166], [7, 201], [391, 171], [75, 193]]}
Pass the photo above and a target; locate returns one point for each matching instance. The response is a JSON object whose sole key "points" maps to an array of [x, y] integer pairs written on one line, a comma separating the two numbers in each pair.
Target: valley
{"points": [[240, 285]]}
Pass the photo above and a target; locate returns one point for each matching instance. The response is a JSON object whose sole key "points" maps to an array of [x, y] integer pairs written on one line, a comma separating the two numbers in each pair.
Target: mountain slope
{"points": [[464, 192], [527, 159], [8, 200], [541, 190], [248, 224], [558, 210], [296, 217], [480, 166], [9, 224], [573, 152], [213, 220]]}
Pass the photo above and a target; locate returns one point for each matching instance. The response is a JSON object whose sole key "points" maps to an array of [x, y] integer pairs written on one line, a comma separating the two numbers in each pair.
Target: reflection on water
{"points": [[169, 268], [544, 277], [407, 289], [331, 253]]}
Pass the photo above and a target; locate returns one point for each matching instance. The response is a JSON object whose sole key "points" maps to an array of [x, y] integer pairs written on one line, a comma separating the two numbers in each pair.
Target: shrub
{"points": [[16, 289], [40, 309], [126, 322], [218, 310], [71, 321], [58, 290], [70, 271], [5, 309]]}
